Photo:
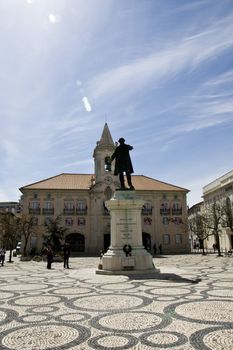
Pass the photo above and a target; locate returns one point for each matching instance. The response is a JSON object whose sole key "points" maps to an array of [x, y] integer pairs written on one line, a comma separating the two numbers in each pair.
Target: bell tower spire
{"points": [[102, 153]]}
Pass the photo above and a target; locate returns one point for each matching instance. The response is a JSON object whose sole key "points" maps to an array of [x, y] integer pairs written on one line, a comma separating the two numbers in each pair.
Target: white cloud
{"points": [[224, 78], [187, 53]]}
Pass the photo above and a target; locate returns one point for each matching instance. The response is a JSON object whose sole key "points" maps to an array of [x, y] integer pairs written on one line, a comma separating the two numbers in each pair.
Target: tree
{"points": [[212, 217], [26, 225], [198, 228], [9, 231], [227, 217], [55, 233]]}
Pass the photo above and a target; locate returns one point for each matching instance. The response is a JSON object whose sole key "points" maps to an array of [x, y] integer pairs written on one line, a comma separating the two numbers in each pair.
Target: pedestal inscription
{"points": [[126, 232]]}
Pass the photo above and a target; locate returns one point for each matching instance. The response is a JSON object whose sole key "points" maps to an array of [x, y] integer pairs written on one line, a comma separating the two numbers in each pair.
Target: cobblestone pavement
{"points": [[77, 309]]}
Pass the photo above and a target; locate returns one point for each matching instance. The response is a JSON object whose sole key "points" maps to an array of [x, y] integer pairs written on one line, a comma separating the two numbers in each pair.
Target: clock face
{"points": [[108, 180]]}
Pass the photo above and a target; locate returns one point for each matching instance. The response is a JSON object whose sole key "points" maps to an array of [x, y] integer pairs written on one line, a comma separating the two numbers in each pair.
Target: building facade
{"points": [[80, 200], [220, 191], [10, 207]]}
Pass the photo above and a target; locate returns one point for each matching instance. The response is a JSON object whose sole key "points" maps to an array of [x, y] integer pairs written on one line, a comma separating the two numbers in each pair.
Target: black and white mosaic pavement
{"points": [[189, 307]]}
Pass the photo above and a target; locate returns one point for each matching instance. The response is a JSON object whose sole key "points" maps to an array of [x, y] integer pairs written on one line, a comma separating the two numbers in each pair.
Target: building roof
{"points": [[218, 183], [106, 137], [83, 182]]}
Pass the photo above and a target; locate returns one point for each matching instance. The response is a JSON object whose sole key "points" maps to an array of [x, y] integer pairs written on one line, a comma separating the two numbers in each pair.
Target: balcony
{"points": [[146, 211], [34, 211], [80, 211], [48, 211], [177, 211], [68, 211], [165, 211]]}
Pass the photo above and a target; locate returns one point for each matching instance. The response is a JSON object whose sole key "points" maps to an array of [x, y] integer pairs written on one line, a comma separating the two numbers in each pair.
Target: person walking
{"points": [[2, 256], [155, 248], [49, 253], [160, 249], [66, 255]]}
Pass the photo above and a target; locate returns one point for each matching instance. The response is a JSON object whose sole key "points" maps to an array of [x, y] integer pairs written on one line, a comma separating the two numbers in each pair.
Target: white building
{"points": [[220, 190]]}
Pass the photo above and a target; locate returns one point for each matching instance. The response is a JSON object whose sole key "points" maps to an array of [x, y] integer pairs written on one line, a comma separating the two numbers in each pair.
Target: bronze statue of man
{"points": [[123, 163]]}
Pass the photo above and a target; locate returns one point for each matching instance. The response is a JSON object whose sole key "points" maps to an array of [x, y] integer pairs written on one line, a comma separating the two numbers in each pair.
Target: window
{"points": [[35, 205], [34, 208], [147, 209], [166, 239], [35, 196], [178, 238], [69, 205], [69, 221], [81, 207], [176, 208], [107, 163], [48, 205], [165, 221], [81, 221], [164, 208]]}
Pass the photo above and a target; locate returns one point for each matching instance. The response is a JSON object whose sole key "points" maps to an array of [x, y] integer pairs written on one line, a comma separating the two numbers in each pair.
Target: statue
{"points": [[123, 163]]}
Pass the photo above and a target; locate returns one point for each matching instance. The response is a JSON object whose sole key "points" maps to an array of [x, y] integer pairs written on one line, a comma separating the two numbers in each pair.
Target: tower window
{"points": [[107, 163]]}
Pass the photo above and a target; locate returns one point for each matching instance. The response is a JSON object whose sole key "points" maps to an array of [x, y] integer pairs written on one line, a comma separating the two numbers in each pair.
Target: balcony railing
{"points": [[81, 211], [146, 211], [47, 211], [165, 211], [68, 211], [34, 211], [177, 211]]}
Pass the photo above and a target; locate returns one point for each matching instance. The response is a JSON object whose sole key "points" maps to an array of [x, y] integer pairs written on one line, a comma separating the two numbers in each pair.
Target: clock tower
{"points": [[102, 154]]}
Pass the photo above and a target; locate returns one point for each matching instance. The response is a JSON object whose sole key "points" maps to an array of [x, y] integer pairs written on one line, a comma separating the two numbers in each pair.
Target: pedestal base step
{"points": [[148, 272]]}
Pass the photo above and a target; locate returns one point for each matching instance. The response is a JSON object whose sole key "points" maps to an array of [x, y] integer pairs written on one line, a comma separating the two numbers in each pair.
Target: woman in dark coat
{"points": [[123, 163]]}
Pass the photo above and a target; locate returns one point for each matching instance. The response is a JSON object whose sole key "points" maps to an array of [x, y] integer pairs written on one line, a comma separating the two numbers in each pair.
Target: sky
{"points": [[159, 72]]}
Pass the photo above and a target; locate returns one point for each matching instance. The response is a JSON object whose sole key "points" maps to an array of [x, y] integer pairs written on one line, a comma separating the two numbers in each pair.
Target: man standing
{"points": [[49, 253], [66, 253], [2, 255], [123, 163]]}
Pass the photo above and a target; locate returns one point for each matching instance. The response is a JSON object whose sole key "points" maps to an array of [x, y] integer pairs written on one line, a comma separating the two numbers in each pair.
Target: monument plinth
{"points": [[126, 254]]}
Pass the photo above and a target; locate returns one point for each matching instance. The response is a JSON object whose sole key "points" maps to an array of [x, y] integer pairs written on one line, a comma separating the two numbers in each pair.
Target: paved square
{"points": [[77, 309]]}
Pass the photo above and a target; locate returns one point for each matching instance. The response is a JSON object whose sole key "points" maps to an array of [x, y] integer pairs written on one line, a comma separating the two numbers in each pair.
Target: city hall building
{"points": [[80, 201]]}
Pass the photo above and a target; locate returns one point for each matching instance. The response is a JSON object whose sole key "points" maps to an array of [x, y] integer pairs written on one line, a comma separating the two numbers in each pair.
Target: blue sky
{"points": [[160, 72]]}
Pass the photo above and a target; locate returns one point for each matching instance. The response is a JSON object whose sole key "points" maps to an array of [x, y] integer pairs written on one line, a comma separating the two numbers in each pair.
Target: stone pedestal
{"points": [[126, 231]]}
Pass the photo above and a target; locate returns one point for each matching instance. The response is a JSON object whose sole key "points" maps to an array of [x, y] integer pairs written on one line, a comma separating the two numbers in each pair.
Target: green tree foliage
{"points": [[55, 233]]}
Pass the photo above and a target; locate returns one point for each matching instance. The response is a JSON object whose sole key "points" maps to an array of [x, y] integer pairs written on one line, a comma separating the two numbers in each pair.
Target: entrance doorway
{"points": [[76, 242]]}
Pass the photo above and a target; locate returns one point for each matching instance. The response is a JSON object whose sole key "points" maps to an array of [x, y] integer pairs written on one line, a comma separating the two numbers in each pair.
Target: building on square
{"points": [[220, 190], [80, 200]]}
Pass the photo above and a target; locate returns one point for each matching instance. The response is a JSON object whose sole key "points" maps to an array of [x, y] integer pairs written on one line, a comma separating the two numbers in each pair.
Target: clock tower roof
{"points": [[106, 137]]}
